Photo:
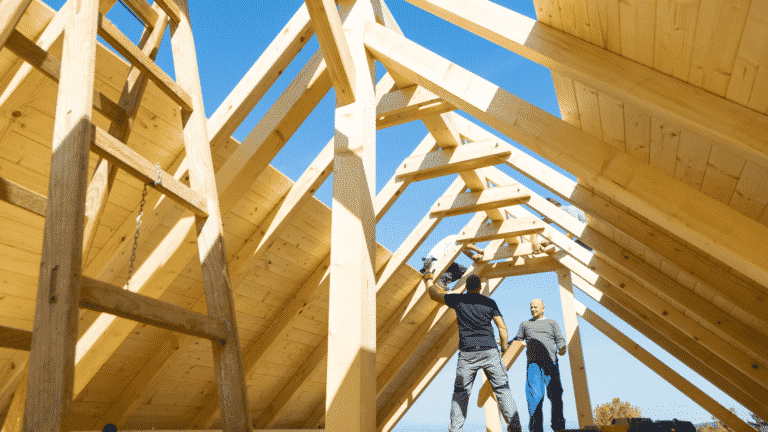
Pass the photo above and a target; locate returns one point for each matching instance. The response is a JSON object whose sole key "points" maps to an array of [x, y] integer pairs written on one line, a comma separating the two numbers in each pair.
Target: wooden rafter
{"points": [[640, 187], [470, 202], [10, 15], [500, 230], [737, 127], [453, 161]]}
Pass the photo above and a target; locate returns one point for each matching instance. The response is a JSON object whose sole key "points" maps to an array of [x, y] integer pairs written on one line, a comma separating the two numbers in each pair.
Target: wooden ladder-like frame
{"points": [[62, 290]]}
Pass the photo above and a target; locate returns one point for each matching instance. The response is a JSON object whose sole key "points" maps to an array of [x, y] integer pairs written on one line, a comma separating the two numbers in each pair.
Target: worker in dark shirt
{"points": [[543, 341], [477, 345]]}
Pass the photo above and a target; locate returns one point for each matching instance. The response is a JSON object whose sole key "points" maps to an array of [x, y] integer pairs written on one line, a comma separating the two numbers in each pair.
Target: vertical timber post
{"points": [[492, 417], [227, 357], [575, 354], [351, 380], [52, 357]]}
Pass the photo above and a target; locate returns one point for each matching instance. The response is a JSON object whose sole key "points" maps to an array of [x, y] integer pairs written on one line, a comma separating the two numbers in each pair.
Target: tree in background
{"points": [[758, 423], [614, 409]]}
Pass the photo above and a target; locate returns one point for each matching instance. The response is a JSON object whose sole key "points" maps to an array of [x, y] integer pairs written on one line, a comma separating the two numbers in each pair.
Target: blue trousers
{"points": [[539, 379], [466, 369]]}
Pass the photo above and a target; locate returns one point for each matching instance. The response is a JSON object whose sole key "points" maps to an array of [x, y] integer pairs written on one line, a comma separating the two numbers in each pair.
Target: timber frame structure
{"points": [[664, 123]]}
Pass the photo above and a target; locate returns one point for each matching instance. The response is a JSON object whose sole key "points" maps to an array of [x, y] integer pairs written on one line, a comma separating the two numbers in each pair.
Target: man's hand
{"points": [[562, 351]]}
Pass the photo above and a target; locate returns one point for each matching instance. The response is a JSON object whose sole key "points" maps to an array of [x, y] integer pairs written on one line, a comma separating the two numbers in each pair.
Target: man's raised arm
{"points": [[435, 292]]}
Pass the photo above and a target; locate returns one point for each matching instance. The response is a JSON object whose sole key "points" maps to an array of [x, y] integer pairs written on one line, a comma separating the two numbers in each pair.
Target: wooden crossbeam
{"points": [[512, 251], [500, 230], [664, 371], [15, 338], [50, 66], [333, 43], [445, 162], [409, 104], [20, 196], [127, 49], [470, 202], [740, 129], [521, 266], [172, 9], [102, 297], [133, 163], [508, 359], [11, 12], [144, 11], [640, 187]]}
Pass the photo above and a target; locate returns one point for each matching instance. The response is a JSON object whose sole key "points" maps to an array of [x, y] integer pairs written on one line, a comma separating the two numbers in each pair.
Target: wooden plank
{"points": [[260, 77], [10, 15], [411, 103], [575, 352], [127, 49], [336, 50], [734, 126], [665, 138], [511, 251], [445, 162], [640, 187], [664, 371], [739, 290], [15, 421], [675, 31], [138, 166], [692, 154], [471, 202], [722, 174], [102, 297], [726, 34], [52, 356], [50, 66], [172, 9], [228, 365], [501, 230], [350, 402], [20, 196], [521, 266], [508, 359], [750, 197], [15, 338]]}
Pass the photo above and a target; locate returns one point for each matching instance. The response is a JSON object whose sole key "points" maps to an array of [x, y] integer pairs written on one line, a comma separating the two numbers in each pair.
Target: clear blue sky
{"points": [[229, 38]]}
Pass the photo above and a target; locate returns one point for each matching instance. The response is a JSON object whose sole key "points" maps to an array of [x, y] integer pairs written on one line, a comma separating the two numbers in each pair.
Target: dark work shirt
{"points": [[542, 340], [474, 313]]}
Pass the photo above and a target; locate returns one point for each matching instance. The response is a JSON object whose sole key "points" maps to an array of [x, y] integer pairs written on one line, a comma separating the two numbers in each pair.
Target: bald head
{"points": [[537, 308]]}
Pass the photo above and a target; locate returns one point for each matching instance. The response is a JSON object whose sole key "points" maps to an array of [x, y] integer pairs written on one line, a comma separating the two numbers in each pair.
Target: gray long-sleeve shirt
{"points": [[542, 339]]}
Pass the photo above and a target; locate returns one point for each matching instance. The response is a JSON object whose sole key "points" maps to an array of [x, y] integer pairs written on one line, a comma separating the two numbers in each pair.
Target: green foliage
{"points": [[605, 413]]}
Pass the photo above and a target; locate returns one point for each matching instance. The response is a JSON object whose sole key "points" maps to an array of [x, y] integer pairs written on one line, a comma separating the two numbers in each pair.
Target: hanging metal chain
{"points": [[138, 222]]}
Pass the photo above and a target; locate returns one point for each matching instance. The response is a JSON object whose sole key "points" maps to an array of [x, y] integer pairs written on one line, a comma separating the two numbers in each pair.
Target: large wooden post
{"points": [[351, 381], [575, 354], [52, 357], [492, 417]]}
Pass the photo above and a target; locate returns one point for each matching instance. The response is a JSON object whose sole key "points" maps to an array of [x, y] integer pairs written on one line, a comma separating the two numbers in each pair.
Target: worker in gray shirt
{"points": [[543, 341]]}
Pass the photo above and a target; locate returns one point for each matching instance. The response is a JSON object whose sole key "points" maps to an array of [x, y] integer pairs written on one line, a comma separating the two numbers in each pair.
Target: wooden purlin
{"points": [[10, 14]]}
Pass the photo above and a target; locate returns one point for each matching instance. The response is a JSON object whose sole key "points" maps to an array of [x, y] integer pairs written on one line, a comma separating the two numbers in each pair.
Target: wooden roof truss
{"points": [[677, 220]]}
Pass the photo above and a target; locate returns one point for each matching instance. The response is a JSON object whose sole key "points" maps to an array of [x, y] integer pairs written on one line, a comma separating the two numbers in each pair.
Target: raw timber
{"points": [[248, 304]]}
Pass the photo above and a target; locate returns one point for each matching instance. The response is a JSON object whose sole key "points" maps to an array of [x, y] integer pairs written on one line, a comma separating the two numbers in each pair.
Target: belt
{"points": [[476, 349]]}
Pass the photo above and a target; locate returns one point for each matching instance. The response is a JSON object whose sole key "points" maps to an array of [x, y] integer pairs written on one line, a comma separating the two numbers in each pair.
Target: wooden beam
{"points": [[521, 266], [508, 359], [50, 66], [664, 371], [11, 12], [20, 196], [102, 297], [15, 421], [15, 338], [736, 288], [227, 360], [500, 230], [335, 48], [52, 355], [138, 166], [350, 402], [738, 128], [470, 202], [127, 49], [575, 352], [642, 188], [412, 103], [172, 9], [513, 251], [445, 162], [260, 77], [674, 341]]}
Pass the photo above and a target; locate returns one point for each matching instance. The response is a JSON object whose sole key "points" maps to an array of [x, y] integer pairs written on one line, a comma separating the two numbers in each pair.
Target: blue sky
{"points": [[229, 38]]}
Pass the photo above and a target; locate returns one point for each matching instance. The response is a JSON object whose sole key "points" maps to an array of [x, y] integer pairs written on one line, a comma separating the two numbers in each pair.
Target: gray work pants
{"points": [[466, 369]]}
